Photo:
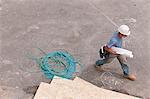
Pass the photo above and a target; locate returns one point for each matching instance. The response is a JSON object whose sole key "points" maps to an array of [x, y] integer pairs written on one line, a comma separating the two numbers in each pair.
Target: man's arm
{"points": [[109, 46], [123, 44], [110, 50]]}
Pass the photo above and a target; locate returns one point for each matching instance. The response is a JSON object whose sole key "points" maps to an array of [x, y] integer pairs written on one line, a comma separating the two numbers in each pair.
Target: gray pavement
{"points": [[73, 25]]}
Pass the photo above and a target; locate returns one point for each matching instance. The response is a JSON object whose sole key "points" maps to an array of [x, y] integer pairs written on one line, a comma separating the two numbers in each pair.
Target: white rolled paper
{"points": [[122, 51]]}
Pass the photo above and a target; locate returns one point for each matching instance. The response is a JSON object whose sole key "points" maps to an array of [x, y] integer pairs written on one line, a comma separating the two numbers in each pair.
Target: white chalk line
{"points": [[99, 10]]}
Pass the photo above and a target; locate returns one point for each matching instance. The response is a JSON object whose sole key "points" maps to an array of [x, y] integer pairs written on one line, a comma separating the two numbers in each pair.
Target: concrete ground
{"points": [[76, 26]]}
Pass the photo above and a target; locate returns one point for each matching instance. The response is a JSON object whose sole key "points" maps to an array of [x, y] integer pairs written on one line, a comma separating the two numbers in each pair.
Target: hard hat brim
{"points": [[126, 33]]}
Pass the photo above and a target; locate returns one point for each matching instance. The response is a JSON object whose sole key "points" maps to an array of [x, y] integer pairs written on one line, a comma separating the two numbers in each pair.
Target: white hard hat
{"points": [[124, 29]]}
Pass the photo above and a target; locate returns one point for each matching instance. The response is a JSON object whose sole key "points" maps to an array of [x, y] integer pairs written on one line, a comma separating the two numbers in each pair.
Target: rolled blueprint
{"points": [[122, 51]]}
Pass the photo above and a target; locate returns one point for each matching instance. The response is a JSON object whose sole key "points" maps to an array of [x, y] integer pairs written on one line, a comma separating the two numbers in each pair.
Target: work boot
{"points": [[98, 67], [130, 77]]}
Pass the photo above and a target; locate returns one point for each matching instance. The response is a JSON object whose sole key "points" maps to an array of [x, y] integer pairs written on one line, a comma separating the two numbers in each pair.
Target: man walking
{"points": [[116, 41]]}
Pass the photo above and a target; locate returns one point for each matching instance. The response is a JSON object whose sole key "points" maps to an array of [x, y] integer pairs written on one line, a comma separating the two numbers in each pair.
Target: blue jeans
{"points": [[122, 60]]}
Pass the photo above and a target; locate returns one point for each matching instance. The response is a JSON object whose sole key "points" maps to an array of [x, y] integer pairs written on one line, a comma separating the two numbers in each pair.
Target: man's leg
{"points": [[123, 62], [106, 60]]}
